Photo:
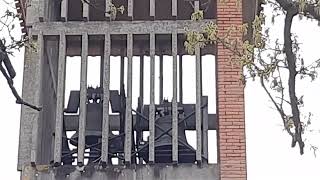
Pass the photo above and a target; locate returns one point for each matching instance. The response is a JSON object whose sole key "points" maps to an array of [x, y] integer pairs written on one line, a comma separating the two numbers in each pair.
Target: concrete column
{"points": [[35, 141]]}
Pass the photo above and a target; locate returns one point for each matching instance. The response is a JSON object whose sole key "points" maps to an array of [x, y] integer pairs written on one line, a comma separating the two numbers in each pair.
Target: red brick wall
{"points": [[230, 106]]}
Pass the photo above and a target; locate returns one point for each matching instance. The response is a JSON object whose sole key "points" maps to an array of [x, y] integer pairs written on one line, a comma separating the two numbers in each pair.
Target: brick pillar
{"points": [[230, 95]]}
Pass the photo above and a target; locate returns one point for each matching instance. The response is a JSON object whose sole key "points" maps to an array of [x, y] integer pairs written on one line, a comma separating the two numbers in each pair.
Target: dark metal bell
{"points": [[93, 130], [163, 146], [93, 133]]}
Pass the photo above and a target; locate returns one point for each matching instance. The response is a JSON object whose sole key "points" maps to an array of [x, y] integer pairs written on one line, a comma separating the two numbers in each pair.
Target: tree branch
{"points": [[289, 5], [291, 60], [9, 77]]}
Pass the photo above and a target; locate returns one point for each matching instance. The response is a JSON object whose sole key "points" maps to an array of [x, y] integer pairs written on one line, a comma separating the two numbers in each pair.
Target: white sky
{"points": [[269, 155]]}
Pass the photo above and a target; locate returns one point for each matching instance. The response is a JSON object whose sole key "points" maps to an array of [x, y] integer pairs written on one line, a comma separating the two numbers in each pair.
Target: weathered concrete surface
{"points": [[38, 89], [31, 93], [119, 27], [139, 172]]}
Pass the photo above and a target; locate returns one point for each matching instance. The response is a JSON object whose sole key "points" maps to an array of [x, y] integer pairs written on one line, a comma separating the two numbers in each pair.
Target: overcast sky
{"points": [[269, 155]]}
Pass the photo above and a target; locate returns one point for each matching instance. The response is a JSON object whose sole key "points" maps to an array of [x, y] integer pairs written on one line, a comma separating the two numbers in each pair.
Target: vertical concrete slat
{"points": [[37, 95], [128, 117], [180, 79], [60, 99], [121, 71], [41, 9], [161, 77], [139, 133], [107, 13], [102, 61], [130, 8], [141, 84], [64, 10], [152, 8], [198, 105], [196, 5], [122, 94], [83, 99], [85, 9], [152, 98], [205, 127], [174, 5], [198, 97], [174, 99], [106, 99]]}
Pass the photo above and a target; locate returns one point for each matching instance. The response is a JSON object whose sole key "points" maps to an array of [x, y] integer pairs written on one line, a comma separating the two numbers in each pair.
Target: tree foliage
{"points": [[277, 66]]}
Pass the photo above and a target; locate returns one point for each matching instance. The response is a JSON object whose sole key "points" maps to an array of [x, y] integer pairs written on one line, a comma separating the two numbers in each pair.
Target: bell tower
{"points": [[136, 130]]}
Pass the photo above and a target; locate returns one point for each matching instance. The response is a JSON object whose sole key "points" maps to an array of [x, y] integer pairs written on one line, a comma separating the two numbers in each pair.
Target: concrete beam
{"points": [[155, 172], [119, 27]]}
